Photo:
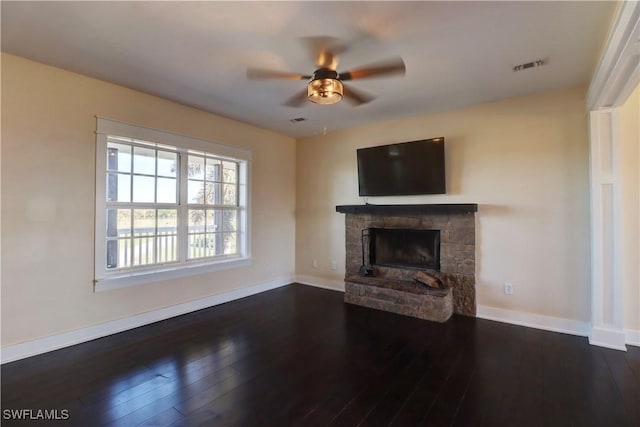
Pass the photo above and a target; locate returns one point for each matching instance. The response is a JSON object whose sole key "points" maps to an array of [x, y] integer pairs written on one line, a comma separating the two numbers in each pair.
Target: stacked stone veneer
{"points": [[393, 287], [399, 296]]}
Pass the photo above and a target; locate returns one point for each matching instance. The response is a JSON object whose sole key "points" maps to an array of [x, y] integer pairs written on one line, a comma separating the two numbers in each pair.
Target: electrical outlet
{"points": [[508, 288], [314, 263], [334, 265]]}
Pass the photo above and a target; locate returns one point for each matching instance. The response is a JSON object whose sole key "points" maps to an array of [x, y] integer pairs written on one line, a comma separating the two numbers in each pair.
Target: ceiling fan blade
{"points": [[385, 68], [325, 50], [356, 97], [297, 100], [261, 73]]}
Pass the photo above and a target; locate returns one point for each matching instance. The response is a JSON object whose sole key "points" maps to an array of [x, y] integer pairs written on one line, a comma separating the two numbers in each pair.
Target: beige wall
{"points": [[630, 155], [524, 161], [48, 156]]}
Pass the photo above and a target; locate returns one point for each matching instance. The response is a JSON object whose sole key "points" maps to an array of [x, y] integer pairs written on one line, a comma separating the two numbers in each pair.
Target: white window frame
{"points": [[105, 279]]}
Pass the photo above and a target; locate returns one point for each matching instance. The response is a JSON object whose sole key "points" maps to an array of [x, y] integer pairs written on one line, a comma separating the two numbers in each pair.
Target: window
{"points": [[213, 206], [166, 205]]}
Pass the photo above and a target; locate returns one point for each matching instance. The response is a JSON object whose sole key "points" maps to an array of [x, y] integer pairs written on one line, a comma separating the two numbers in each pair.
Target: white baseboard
{"points": [[530, 320], [537, 321], [632, 336], [42, 345], [66, 339], [609, 338], [318, 282]]}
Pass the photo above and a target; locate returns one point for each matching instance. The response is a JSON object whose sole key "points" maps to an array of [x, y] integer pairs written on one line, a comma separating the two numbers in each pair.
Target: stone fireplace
{"points": [[395, 242]]}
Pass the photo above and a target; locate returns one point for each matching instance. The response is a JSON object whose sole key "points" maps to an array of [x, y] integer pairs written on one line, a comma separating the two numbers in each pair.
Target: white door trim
{"points": [[617, 75]]}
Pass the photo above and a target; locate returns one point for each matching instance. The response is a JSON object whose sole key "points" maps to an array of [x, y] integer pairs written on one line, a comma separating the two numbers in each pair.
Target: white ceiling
{"points": [[196, 53]]}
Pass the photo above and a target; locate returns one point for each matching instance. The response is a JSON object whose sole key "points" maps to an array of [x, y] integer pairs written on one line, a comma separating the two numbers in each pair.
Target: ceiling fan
{"points": [[325, 84]]}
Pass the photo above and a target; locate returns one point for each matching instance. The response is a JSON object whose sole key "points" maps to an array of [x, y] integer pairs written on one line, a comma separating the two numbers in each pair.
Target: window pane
{"points": [[124, 188], [213, 170], [167, 190], [197, 246], [118, 157], [167, 221], [143, 189], [112, 254], [210, 223], [144, 160], [112, 222], [230, 219], [209, 195], [230, 195], [118, 222], [214, 221], [167, 240], [166, 248], [195, 167], [219, 243], [195, 192], [119, 253], [144, 222], [229, 172], [211, 245], [230, 243], [118, 187], [196, 220], [167, 163], [144, 250]]}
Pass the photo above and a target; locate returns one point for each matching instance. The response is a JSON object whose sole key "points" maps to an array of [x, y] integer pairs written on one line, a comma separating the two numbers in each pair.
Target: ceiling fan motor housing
{"points": [[325, 87]]}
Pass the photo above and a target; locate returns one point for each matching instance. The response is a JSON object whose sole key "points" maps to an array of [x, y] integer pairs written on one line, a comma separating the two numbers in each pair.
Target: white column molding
{"points": [[607, 328]]}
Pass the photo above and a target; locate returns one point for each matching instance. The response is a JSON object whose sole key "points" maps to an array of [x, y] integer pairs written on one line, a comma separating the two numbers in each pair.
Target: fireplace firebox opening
{"points": [[405, 248]]}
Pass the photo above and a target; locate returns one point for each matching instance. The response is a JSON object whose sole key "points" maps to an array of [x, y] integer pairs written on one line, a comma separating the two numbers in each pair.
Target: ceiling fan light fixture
{"points": [[325, 91]]}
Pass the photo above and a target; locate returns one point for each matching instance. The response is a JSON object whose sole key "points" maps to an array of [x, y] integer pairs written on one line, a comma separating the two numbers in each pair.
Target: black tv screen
{"points": [[407, 168]]}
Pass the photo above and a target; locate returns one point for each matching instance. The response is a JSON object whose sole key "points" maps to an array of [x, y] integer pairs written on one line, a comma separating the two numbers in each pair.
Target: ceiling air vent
{"points": [[297, 119], [532, 64]]}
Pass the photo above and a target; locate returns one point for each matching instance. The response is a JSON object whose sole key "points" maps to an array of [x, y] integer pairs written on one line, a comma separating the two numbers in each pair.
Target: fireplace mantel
{"points": [[408, 209]]}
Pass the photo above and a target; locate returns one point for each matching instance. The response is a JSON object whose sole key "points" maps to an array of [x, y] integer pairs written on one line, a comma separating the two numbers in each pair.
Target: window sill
{"points": [[139, 278]]}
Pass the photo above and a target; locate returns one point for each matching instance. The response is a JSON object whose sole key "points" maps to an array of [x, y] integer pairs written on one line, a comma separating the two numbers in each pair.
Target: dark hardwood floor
{"points": [[298, 356]]}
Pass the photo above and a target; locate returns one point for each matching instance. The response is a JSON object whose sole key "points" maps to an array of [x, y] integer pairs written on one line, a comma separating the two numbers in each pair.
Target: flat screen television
{"points": [[402, 169]]}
